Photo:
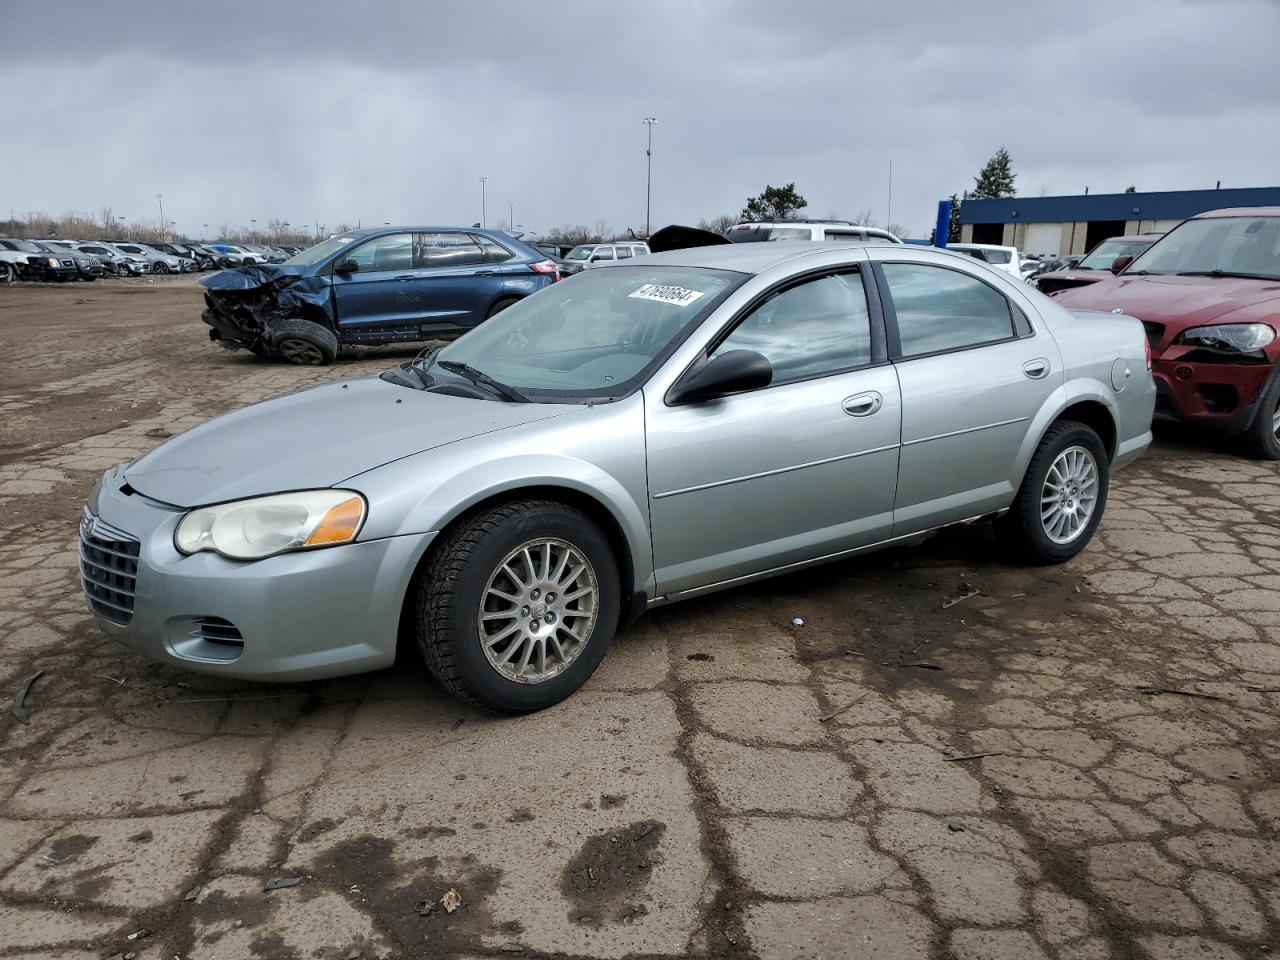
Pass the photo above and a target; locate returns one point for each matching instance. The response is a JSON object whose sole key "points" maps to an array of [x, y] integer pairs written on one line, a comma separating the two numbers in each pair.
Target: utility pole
{"points": [[160, 200], [483, 181], [889, 215], [648, 179]]}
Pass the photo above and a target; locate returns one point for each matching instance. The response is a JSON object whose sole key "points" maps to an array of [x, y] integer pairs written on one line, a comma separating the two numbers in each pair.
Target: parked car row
{"points": [[58, 260]]}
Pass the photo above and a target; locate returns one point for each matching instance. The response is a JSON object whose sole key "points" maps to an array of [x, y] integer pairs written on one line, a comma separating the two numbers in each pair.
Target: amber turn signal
{"points": [[339, 525]]}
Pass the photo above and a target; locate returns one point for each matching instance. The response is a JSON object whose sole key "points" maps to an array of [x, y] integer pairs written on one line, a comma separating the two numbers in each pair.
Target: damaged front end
{"points": [[243, 305]]}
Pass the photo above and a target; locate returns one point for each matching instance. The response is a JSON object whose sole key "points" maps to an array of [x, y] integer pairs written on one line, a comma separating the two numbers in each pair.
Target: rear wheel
{"points": [[1264, 435], [1062, 497], [304, 343], [518, 605], [501, 305]]}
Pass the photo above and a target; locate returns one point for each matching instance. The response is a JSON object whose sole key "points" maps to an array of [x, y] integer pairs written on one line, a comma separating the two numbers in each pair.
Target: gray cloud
{"points": [[391, 111]]}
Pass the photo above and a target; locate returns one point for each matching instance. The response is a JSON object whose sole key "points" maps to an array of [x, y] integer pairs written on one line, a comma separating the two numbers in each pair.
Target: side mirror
{"points": [[347, 266], [732, 372], [1119, 263]]}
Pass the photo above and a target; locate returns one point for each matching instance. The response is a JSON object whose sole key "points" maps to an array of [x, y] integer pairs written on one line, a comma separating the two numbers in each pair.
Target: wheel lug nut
{"points": [[551, 618], [524, 611], [551, 598], [535, 594], [533, 625]]}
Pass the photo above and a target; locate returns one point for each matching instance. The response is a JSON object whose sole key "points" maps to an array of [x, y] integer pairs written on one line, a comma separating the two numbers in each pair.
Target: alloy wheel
{"points": [[538, 610], [1069, 495], [1275, 419], [300, 351]]}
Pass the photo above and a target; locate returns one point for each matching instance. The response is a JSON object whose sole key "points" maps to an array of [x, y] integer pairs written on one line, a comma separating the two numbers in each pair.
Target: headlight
{"points": [[1233, 337], [264, 526], [52, 261]]}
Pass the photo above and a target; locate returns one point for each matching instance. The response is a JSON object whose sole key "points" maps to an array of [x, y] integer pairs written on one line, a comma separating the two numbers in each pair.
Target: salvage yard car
{"points": [[1208, 294], [630, 437], [1109, 257], [389, 285]]}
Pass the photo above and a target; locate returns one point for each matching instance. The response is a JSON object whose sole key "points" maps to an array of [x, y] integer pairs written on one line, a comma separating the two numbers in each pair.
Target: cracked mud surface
{"points": [[997, 778]]}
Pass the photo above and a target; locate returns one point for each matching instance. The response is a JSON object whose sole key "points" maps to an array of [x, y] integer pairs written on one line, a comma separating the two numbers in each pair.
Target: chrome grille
{"points": [[108, 569]]}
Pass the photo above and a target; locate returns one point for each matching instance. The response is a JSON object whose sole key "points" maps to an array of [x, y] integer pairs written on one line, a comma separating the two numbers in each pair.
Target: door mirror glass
{"points": [[346, 266], [1119, 263], [732, 372]]}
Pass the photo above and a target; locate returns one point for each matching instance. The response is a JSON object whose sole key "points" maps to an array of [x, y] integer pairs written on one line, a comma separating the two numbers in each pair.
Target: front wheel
{"points": [[517, 605], [1062, 497], [160, 267], [7, 273], [305, 343], [1264, 435]]}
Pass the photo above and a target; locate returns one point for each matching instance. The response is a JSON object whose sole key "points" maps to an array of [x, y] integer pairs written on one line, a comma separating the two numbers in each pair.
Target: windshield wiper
{"points": [[1226, 273], [469, 372]]}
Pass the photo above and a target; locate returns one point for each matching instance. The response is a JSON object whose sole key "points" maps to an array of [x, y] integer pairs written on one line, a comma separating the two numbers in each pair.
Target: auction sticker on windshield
{"points": [[665, 293]]}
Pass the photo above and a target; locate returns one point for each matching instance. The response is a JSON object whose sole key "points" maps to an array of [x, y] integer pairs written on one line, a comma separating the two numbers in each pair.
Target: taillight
{"points": [[1146, 345], [546, 266]]}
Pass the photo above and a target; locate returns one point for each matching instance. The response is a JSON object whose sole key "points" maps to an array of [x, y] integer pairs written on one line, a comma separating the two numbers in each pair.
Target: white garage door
{"points": [[1043, 238]]}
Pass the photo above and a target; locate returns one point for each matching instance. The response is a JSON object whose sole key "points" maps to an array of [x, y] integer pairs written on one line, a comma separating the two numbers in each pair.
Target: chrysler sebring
{"points": [[630, 437]]}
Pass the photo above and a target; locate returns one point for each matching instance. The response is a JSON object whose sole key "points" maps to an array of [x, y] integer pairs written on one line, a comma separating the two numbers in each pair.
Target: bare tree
{"points": [[719, 224]]}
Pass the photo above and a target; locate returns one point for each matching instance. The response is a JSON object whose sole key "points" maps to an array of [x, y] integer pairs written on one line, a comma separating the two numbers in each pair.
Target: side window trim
{"points": [[891, 315], [875, 316]]}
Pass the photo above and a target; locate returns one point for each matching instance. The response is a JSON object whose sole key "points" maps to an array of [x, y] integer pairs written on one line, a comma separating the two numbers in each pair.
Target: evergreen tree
{"points": [[996, 178], [775, 203], [953, 226]]}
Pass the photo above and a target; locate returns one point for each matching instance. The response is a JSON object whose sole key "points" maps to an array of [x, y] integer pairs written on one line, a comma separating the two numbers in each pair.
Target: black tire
{"points": [[500, 305], [7, 273], [451, 592], [1023, 527], [304, 343], [159, 267], [1263, 438]]}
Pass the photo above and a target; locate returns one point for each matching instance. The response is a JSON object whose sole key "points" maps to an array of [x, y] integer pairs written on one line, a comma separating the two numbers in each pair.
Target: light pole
{"points": [[511, 215], [123, 227], [160, 200], [483, 181], [253, 231], [648, 179]]}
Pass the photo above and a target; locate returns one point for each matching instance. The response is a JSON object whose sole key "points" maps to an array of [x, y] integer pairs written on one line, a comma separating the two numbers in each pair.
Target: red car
{"points": [[1100, 264], [1208, 294]]}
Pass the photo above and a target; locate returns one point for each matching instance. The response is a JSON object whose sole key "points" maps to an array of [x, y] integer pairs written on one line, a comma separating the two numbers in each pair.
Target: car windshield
{"points": [[1239, 246], [320, 252], [790, 233], [1105, 253], [596, 335], [997, 256], [580, 252], [24, 245]]}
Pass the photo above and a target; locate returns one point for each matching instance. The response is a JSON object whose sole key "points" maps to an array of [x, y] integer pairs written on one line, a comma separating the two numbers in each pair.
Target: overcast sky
{"points": [[372, 111]]}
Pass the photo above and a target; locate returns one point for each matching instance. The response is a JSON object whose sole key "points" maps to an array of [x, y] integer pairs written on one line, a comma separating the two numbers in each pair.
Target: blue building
{"points": [[1072, 225]]}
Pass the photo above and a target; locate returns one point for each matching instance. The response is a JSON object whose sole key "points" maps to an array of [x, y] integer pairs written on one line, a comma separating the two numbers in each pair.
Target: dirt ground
{"points": [[951, 757]]}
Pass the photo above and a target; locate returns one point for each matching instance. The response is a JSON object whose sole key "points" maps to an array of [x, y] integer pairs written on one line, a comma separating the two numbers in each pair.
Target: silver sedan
{"points": [[626, 438]]}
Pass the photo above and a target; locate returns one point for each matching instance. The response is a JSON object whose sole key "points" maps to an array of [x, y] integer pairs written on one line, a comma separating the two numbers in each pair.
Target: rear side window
{"points": [[809, 330], [494, 252], [624, 253], [790, 233], [446, 250], [845, 235], [940, 309]]}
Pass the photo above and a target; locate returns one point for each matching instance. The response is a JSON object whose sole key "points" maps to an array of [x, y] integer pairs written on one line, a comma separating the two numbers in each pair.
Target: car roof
{"points": [[754, 257], [1238, 212]]}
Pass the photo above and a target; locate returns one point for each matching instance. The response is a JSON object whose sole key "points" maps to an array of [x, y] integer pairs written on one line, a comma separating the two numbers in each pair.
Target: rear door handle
{"points": [[486, 273], [1036, 369], [862, 404], [408, 277]]}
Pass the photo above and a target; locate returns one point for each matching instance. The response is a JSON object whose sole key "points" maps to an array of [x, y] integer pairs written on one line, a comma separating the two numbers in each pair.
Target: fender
{"points": [[424, 493], [1079, 390]]}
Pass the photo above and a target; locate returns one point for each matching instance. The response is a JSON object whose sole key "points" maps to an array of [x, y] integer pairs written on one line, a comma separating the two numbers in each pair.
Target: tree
{"points": [[775, 203], [953, 226], [996, 177], [718, 224], [1130, 189]]}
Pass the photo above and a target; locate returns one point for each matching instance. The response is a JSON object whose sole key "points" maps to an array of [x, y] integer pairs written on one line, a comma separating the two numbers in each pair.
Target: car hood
{"points": [[313, 438], [1177, 302]]}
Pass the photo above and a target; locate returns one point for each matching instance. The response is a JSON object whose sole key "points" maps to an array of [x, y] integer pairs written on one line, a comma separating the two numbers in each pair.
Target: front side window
{"points": [[810, 330], [438, 250], [392, 252], [580, 252], [603, 253], [940, 309]]}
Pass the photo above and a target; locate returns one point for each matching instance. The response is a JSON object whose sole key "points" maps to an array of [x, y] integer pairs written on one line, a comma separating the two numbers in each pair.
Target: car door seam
{"points": [[776, 472]]}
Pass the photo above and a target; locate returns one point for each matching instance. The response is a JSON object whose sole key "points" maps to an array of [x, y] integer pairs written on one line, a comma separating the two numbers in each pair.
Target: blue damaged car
{"points": [[388, 285]]}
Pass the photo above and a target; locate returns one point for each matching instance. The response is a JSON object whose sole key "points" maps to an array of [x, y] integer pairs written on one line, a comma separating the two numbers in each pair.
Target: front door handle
{"points": [[485, 273], [862, 404], [408, 277], [1036, 369]]}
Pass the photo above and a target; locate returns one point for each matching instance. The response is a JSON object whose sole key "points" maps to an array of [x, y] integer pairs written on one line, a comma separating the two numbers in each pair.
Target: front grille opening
{"points": [[208, 639], [108, 570], [218, 631]]}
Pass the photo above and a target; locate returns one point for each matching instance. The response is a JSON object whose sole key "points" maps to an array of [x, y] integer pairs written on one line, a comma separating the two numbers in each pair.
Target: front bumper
{"points": [[296, 616], [1220, 396]]}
